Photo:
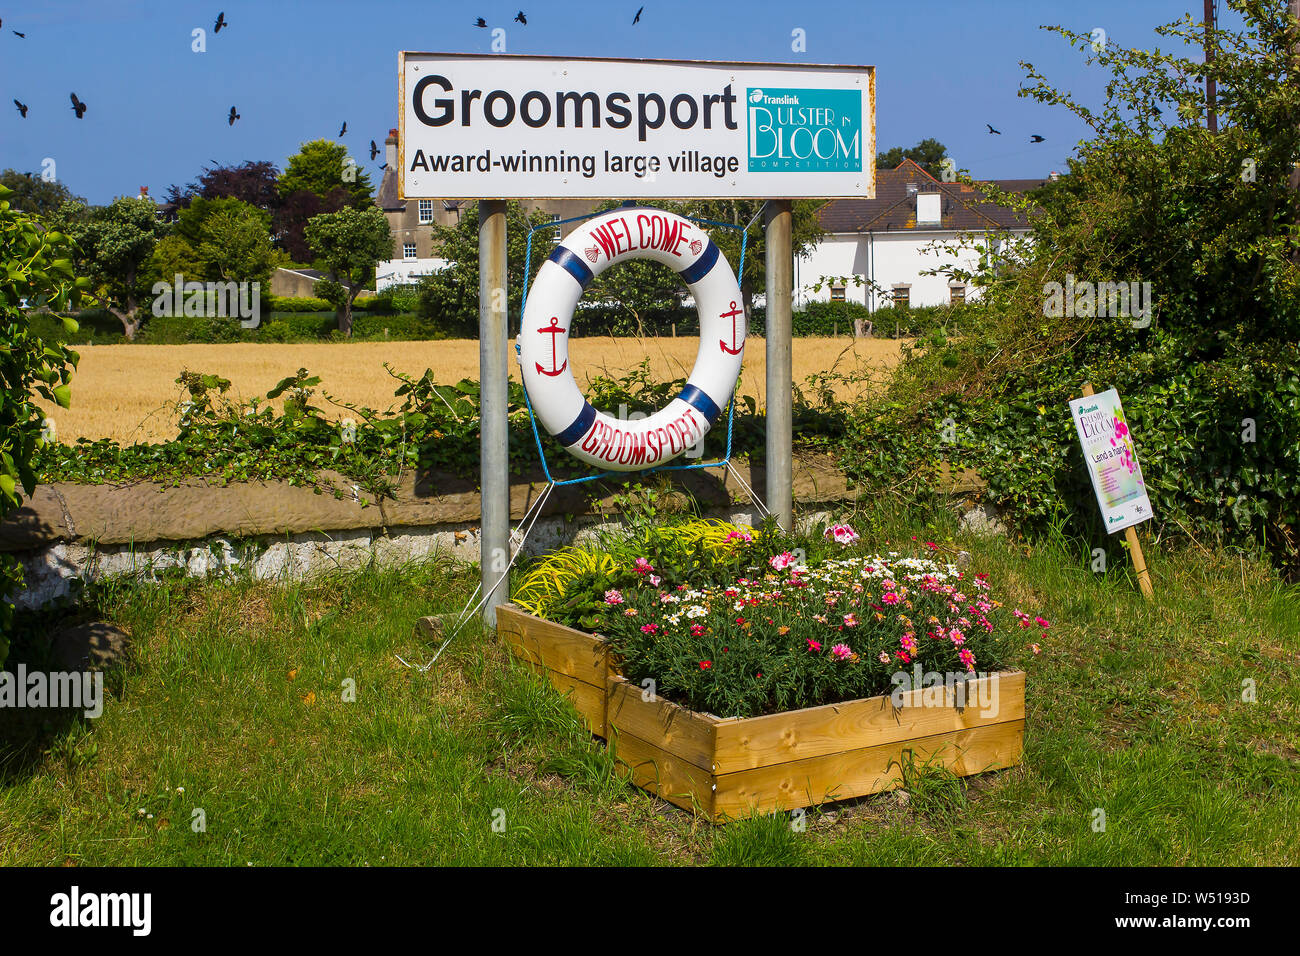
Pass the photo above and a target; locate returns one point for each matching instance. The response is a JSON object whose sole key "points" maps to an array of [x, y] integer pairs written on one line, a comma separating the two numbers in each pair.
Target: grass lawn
{"points": [[232, 702]]}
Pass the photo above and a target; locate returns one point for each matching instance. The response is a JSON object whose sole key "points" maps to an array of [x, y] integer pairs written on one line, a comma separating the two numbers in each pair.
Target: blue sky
{"points": [[297, 69]]}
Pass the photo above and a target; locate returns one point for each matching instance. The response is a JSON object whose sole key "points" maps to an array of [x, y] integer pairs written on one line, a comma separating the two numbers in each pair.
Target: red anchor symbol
{"points": [[733, 350], [553, 330]]}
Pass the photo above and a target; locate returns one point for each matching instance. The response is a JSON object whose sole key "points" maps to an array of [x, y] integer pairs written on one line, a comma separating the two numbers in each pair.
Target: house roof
{"points": [[387, 197], [962, 207]]}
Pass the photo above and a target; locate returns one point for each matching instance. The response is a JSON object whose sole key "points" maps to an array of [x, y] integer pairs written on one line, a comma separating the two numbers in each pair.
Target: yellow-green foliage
{"points": [[546, 582]]}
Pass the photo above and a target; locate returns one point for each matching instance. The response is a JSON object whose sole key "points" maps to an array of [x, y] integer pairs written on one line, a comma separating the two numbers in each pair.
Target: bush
{"points": [[35, 265]]}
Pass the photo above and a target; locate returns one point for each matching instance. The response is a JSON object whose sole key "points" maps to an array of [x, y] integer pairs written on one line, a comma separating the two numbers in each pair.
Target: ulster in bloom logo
{"points": [[805, 130]]}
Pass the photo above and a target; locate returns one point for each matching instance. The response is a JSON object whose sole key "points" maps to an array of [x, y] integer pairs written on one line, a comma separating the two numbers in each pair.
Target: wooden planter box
{"points": [[727, 768]]}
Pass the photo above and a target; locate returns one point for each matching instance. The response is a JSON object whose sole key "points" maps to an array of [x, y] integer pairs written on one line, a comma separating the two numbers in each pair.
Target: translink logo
{"points": [[804, 130]]}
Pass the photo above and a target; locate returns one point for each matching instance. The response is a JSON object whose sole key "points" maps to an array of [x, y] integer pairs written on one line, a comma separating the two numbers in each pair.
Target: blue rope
{"points": [[532, 418]]}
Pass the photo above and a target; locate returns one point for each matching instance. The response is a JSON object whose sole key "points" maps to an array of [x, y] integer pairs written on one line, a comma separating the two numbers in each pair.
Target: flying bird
{"points": [[637, 19], [230, 120], [996, 132], [78, 107], [22, 108], [480, 22], [343, 130], [21, 35], [221, 22], [1035, 138], [520, 18], [374, 150]]}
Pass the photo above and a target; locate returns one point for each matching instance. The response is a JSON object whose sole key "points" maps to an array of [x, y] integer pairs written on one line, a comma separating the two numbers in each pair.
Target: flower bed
{"points": [[732, 676]]}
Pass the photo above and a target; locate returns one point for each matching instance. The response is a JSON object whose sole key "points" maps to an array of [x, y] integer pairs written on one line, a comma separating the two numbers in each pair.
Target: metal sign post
{"points": [[494, 434], [780, 362]]}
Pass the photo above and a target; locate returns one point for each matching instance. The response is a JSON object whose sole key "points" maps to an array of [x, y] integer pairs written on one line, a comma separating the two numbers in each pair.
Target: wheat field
{"points": [[128, 392]]}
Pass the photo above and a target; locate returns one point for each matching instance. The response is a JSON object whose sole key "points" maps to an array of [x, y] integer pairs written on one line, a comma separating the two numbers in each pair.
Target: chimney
{"points": [[144, 192], [390, 150]]}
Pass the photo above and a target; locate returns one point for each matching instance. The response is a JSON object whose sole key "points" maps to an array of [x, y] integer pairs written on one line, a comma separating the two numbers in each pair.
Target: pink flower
{"points": [[1036, 649], [741, 536], [630, 612], [967, 658], [655, 580], [841, 652], [649, 628], [1042, 622], [932, 546], [814, 645], [643, 566], [697, 630], [850, 620], [842, 534], [884, 657], [908, 642], [957, 637], [891, 598], [781, 561], [613, 597]]}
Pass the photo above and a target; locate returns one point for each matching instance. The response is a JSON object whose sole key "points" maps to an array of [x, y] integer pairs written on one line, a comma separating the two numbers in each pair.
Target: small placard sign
{"points": [[1112, 462]]}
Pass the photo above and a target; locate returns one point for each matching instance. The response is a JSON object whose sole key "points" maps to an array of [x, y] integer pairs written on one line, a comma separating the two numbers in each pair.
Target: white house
{"points": [[890, 241]]}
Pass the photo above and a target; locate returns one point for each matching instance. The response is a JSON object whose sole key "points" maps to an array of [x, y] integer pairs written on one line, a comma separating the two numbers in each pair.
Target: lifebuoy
{"points": [[635, 232]]}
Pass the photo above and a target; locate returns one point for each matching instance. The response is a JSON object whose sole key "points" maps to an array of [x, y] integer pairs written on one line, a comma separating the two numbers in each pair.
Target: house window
{"points": [[837, 293], [557, 231], [426, 211], [408, 250], [957, 294], [902, 296]]}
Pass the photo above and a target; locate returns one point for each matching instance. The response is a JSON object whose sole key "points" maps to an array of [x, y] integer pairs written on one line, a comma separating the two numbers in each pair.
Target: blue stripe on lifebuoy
{"points": [[701, 402], [703, 264], [574, 432], [572, 264]]}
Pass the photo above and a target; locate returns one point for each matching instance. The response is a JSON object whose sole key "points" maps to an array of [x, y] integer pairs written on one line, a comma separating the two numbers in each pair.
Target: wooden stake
{"points": [[1139, 562], [1134, 545]]}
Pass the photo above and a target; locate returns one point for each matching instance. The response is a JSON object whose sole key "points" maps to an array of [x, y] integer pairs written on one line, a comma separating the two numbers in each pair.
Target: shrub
{"points": [[35, 265]]}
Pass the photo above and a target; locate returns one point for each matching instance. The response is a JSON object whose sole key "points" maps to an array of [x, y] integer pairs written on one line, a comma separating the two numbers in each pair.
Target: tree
{"points": [[173, 256], [349, 243], [254, 182], [34, 195], [449, 297], [36, 267], [292, 216], [929, 154], [1193, 234], [235, 244], [114, 245], [320, 167], [806, 231]]}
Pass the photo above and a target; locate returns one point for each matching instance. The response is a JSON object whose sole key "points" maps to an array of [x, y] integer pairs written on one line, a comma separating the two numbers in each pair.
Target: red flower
{"points": [[705, 665]]}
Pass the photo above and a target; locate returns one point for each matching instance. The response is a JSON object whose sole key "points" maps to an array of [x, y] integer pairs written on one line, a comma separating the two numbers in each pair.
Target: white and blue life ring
{"points": [[635, 232]]}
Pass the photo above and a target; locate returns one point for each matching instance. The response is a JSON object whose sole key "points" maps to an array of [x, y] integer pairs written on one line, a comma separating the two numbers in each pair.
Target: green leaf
{"points": [[63, 395]]}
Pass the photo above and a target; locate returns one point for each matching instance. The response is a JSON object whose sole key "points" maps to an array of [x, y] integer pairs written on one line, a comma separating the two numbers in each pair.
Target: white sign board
{"points": [[1108, 452], [531, 127]]}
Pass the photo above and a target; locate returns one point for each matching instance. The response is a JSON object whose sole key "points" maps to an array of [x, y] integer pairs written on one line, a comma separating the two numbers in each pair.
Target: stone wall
{"points": [[67, 534]]}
